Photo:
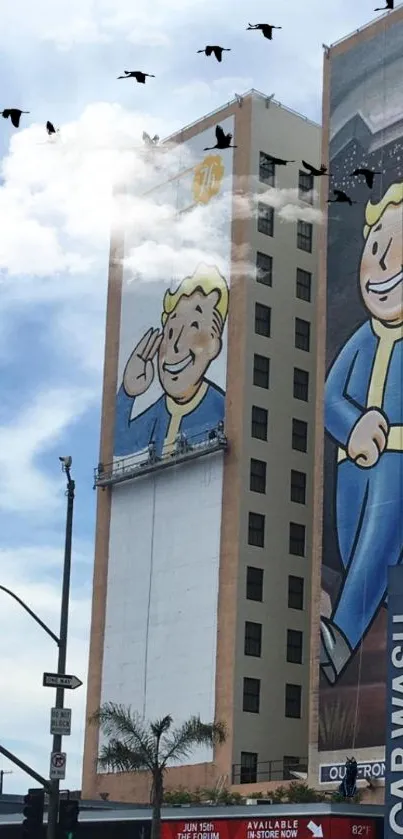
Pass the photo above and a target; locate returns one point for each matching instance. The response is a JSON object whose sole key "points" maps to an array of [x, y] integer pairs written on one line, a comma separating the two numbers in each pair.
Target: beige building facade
{"points": [[238, 556]]}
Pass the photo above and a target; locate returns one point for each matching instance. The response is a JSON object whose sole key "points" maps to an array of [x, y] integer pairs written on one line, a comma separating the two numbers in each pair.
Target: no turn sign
{"points": [[57, 766]]}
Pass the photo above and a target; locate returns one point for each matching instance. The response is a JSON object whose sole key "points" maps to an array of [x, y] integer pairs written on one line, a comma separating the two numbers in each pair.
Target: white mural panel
{"points": [[161, 619]]}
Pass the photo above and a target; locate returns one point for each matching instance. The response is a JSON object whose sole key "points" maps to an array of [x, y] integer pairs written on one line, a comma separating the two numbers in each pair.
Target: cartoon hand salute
{"points": [[139, 372]]}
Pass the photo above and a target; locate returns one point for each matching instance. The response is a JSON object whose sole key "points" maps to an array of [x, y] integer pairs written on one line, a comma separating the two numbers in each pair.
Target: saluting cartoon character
{"points": [[364, 415], [193, 321]]}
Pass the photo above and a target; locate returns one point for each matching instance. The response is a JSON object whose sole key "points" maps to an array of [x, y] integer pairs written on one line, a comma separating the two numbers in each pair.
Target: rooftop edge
{"points": [[252, 92]]}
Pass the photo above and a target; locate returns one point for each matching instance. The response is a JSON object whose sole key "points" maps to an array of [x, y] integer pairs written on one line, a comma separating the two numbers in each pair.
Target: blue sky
{"points": [[60, 61]]}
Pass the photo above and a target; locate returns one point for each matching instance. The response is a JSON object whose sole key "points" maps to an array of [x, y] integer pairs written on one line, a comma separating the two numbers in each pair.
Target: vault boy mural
{"points": [[364, 416], [193, 320]]}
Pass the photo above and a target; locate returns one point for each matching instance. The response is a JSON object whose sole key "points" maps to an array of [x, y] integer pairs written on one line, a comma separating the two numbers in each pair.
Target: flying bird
{"points": [[14, 114], [313, 170], [369, 175], [150, 141], [136, 74], [341, 198], [217, 51], [223, 140], [266, 28], [279, 161], [390, 4], [50, 128]]}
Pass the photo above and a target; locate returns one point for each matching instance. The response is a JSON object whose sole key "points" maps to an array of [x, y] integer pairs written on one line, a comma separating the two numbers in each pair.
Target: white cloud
{"points": [[70, 23], [289, 206], [215, 93], [24, 486], [60, 198]]}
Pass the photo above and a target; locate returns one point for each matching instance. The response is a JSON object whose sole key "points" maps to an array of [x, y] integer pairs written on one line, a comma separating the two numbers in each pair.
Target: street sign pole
{"points": [[53, 807]]}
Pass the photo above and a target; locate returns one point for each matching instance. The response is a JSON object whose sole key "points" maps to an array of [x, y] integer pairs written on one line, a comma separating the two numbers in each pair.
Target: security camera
{"points": [[66, 461]]}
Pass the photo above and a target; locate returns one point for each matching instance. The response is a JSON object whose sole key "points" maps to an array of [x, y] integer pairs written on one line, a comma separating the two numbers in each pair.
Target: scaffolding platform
{"points": [[136, 466]]}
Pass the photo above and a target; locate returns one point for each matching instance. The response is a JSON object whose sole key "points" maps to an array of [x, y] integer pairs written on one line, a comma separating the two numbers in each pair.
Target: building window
{"points": [[302, 334], [264, 268], [262, 319], [256, 530], [293, 701], [305, 186], [290, 764], [304, 236], [254, 583], [297, 539], [295, 592], [257, 475], [253, 639], [267, 169], [251, 695], [259, 423], [248, 768], [301, 384], [299, 435], [298, 487], [304, 282], [261, 371], [265, 219], [294, 646]]}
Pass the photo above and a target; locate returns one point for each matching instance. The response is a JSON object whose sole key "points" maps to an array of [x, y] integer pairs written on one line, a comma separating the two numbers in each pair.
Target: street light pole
{"points": [[53, 806]]}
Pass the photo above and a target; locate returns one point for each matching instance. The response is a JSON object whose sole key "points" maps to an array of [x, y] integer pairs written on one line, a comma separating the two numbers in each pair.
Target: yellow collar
{"points": [[177, 409], [389, 334]]}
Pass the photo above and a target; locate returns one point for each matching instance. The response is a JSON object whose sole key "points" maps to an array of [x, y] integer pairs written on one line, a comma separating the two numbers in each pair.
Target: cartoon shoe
{"points": [[335, 651]]}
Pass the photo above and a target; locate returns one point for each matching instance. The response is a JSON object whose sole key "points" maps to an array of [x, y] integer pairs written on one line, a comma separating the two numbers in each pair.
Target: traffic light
{"points": [[68, 817], [33, 812]]}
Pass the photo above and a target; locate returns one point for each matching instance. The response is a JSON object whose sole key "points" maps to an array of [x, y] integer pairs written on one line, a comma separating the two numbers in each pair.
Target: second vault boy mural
{"points": [[180, 353], [364, 416]]}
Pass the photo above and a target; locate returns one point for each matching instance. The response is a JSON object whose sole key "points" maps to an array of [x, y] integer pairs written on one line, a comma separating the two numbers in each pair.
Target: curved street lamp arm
{"points": [[32, 614]]}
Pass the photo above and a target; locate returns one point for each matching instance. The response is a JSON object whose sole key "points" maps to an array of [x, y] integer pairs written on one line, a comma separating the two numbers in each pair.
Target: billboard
{"points": [[363, 401], [275, 827], [162, 592]]}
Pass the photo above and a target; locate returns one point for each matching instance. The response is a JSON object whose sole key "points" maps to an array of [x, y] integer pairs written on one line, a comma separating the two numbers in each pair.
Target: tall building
{"points": [[359, 480], [202, 576]]}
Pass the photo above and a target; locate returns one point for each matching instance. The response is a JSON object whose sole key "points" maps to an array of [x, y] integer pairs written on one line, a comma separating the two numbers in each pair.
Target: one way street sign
{"points": [[54, 680]]}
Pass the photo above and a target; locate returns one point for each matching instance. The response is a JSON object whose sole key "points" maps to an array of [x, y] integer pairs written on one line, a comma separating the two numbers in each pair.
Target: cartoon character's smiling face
{"points": [[381, 271], [191, 341]]}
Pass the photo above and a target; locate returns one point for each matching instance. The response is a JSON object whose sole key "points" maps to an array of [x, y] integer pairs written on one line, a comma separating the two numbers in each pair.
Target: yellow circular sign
{"points": [[207, 178]]}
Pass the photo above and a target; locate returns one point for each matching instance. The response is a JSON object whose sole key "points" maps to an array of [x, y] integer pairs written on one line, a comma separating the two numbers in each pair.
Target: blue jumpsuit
{"points": [[367, 373], [152, 425]]}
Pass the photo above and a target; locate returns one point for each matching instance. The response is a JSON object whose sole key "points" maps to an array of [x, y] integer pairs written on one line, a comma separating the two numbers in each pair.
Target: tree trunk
{"points": [[157, 799]]}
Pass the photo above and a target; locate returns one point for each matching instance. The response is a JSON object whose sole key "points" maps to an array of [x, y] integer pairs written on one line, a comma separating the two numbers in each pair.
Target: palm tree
{"points": [[136, 746]]}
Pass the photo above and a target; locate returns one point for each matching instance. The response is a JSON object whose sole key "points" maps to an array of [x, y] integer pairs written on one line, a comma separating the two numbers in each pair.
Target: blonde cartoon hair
{"points": [[206, 278], [373, 212]]}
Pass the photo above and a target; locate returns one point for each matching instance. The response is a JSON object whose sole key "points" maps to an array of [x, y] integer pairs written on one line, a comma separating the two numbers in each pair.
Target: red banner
{"points": [[314, 827]]}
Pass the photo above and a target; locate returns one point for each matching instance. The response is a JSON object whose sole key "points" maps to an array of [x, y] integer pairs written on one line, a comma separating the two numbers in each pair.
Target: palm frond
{"points": [[192, 733], [120, 724], [159, 727], [117, 756]]}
